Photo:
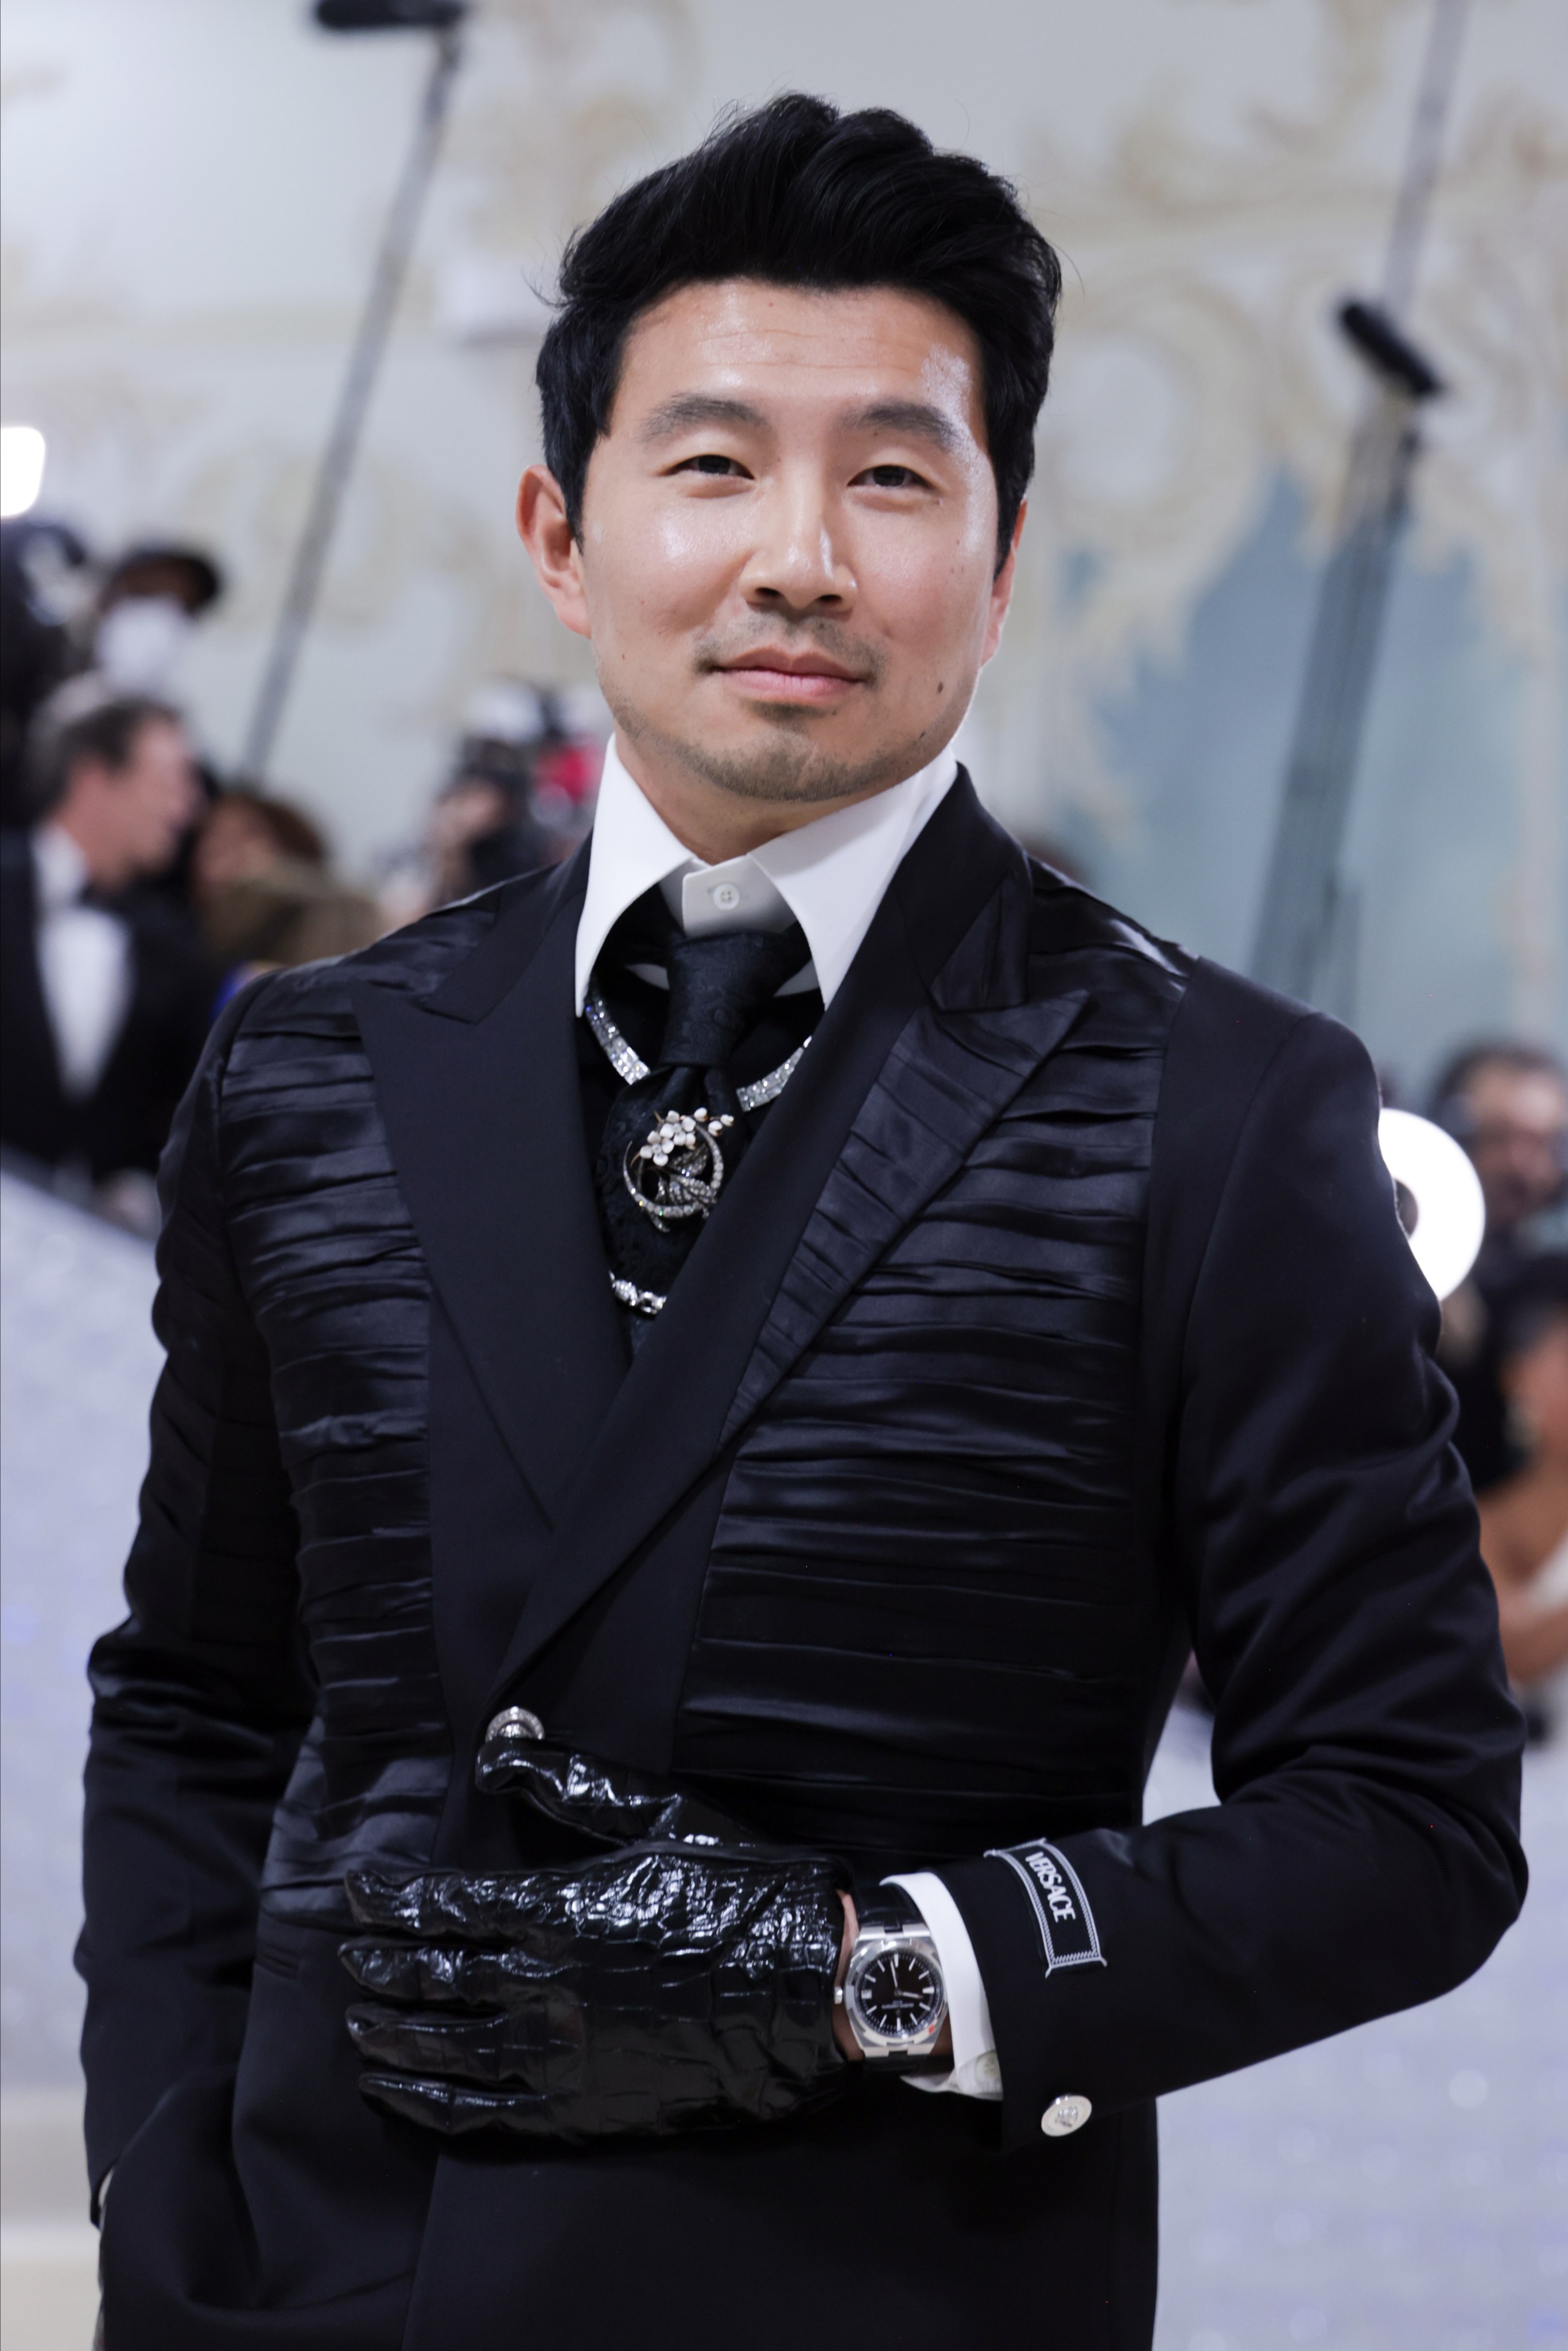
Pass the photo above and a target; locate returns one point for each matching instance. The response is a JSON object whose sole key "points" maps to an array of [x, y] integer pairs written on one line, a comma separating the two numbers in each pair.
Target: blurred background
{"points": [[195, 199]]}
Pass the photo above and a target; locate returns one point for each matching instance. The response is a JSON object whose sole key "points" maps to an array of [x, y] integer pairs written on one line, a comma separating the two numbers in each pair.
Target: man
{"points": [[709, 1391], [1507, 1104], [106, 996]]}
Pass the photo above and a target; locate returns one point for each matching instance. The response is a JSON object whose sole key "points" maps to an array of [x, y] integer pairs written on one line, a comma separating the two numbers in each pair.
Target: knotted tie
{"points": [[673, 1139]]}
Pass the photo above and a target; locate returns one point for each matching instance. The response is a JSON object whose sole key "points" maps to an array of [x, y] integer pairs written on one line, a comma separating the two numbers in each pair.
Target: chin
{"points": [[789, 770]]}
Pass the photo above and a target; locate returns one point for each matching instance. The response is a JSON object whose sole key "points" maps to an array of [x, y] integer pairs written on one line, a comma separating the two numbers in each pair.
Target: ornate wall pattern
{"points": [[193, 196]]}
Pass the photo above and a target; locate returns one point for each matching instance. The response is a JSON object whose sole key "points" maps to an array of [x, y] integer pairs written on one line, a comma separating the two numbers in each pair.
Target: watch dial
{"points": [[899, 1994]]}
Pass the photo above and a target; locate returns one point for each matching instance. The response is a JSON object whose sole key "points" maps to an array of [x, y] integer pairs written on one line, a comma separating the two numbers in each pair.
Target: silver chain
{"points": [[641, 1302], [629, 1064]]}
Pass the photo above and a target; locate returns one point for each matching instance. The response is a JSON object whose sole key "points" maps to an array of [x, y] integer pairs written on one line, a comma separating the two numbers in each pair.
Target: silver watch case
{"points": [[870, 1944]]}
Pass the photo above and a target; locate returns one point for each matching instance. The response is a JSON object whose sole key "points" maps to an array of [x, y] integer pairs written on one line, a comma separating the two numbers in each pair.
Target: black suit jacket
{"points": [[1058, 1318], [125, 1122]]}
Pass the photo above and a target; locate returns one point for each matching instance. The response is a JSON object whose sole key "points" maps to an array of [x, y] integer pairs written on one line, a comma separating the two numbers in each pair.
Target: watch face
{"points": [[899, 1993]]}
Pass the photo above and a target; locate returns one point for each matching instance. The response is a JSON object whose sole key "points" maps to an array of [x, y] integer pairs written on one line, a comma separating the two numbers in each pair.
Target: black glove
{"points": [[682, 1979]]}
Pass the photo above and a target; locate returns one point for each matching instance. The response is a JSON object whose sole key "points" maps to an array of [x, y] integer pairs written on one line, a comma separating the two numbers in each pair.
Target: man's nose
{"points": [[796, 563]]}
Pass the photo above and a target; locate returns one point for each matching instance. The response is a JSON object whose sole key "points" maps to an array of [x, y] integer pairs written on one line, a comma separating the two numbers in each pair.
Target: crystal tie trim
{"points": [[641, 1302], [629, 1064]]}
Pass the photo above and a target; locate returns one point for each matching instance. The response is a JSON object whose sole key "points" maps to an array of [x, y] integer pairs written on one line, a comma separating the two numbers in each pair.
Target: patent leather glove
{"points": [[683, 1979]]}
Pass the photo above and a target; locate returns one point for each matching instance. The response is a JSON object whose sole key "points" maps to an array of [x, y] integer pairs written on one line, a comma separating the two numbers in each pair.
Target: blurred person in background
{"points": [[520, 796], [1507, 1104], [264, 893], [1524, 1517], [37, 648], [106, 996], [149, 603]]}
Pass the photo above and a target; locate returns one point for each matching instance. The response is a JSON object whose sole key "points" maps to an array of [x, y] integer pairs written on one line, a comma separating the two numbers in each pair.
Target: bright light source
{"points": [[21, 468], [1450, 1213]]}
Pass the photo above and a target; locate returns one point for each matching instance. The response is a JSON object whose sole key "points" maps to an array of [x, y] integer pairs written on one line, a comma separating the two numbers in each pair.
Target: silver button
{"points": [[988, 2071], [515, 1722], [725, 895], [1063, 2116]]}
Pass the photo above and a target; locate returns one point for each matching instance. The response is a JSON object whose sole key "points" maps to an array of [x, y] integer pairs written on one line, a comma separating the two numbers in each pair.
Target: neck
{"points": [[716, 825]]}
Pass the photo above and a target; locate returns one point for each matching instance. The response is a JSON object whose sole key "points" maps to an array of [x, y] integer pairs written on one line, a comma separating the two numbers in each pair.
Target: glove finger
{"points": [[489, 2050], [438, 1975], [454, 2109], [610, 1802], [455, 1905]]}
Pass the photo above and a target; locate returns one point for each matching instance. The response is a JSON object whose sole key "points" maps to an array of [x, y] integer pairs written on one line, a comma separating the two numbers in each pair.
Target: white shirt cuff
{"points": [[977, 2072]]}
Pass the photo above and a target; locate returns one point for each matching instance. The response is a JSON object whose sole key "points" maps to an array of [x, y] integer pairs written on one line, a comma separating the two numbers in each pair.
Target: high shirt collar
{"points": [[60, 866], [829, 876]]}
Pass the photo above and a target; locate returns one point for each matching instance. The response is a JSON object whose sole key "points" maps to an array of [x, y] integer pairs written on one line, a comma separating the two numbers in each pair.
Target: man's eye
{"points": [[710, 462], [892, 477]]}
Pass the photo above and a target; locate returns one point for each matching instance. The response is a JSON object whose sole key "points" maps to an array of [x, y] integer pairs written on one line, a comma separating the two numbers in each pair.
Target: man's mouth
{"points": [[772, 675]]}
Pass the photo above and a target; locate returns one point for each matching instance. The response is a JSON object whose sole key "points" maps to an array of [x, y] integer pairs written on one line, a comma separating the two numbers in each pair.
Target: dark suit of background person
{"points": [[124, 1120], [1059, 1316], [106, 999]]}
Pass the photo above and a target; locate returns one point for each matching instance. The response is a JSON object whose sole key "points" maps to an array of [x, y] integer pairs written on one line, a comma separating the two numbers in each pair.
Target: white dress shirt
{"points": [[84, 962], [828, 876]]}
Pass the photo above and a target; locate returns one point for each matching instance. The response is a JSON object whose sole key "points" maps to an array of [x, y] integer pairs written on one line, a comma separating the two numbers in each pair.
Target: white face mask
{"points": [[140, 641]]}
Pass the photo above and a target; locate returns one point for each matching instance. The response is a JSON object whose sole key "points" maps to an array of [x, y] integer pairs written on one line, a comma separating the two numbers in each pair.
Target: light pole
{"points": [[443, 18], [1304, 923]]}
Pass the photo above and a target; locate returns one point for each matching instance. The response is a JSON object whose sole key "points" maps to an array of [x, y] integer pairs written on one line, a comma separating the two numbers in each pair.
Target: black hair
{"points": [[203, 579], [86, 720], [294, 834], [796, 193], [1449, 1106]]}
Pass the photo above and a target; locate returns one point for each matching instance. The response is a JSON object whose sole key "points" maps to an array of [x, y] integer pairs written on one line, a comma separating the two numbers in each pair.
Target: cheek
{"points": [[929, 599], [667, 571]]}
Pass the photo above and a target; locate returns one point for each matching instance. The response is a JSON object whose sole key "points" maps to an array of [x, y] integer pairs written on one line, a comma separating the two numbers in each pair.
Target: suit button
{"points": [[515, 1722], [1063, 2116]]}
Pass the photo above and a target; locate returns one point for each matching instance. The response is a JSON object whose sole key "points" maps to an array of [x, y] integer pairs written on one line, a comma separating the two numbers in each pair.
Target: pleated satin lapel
{"points": [[478, 1086], [904, 1073], [949, 1077]]}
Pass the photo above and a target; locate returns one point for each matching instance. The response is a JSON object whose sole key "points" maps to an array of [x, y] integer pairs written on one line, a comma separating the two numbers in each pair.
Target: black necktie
{"points": [[673, 1139]]}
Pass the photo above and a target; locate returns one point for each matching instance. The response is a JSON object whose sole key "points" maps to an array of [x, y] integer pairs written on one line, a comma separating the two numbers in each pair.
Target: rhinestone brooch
{"points": [[678, 1170]]}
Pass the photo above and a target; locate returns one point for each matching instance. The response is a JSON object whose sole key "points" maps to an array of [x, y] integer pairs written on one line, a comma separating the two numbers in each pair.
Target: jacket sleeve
{"points": [[200, 1697], [1364, 1855]]}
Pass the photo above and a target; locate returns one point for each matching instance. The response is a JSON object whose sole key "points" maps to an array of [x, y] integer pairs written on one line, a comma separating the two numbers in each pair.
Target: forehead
{"points": [[1530, 1097], [783, 348]]}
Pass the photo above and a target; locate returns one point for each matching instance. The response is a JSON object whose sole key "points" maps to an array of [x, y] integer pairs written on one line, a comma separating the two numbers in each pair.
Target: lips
{"points": [[774, 675]]}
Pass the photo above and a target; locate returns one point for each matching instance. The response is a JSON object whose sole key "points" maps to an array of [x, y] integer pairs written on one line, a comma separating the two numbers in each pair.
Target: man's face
{"points": [[1518, 1138], [130, 820], [788, 558]]}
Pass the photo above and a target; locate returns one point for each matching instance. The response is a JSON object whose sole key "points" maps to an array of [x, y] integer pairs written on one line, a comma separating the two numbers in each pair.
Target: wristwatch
{"points": [[893, 1993]]}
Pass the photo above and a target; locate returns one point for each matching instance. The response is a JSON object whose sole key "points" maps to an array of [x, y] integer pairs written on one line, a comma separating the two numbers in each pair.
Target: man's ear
{"points": [[1002, 588], [546, 531]]}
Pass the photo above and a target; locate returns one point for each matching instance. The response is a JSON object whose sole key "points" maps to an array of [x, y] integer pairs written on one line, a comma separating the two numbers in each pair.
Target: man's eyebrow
{"points": [[916, 418], [690, 408]]}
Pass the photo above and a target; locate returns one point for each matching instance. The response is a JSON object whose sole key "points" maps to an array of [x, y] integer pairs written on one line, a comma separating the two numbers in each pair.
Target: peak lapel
{"points": [[902, 1076], [948, 1078], [478, 1085]]}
